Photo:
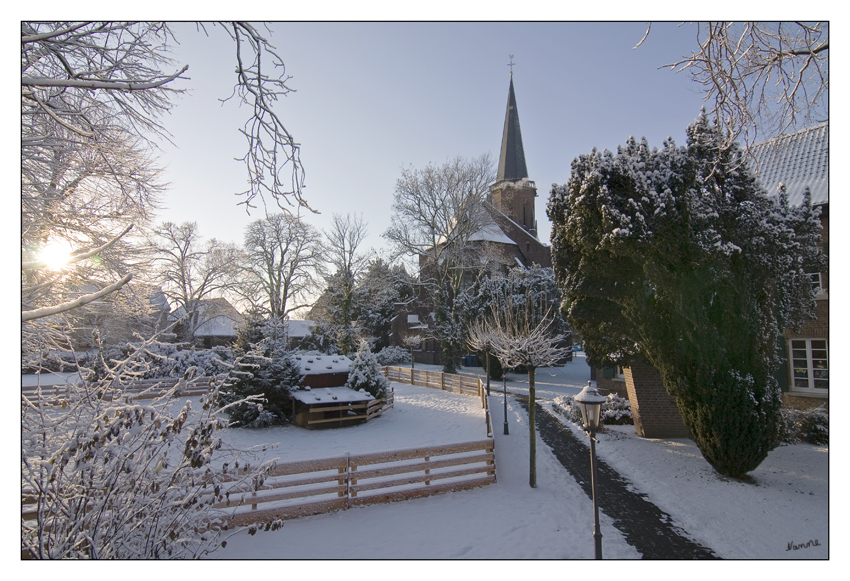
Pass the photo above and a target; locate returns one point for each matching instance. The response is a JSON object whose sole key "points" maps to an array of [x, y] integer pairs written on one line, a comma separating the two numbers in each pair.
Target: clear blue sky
{"points": [[373, 97]]}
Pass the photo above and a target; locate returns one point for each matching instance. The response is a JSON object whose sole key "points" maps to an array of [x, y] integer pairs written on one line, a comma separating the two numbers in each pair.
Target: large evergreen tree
{"points": [[677, 257], [265, 371]]}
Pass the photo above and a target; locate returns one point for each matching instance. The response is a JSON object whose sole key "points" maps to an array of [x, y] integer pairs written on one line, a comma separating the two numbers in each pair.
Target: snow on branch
{"points": [[83, 300]]}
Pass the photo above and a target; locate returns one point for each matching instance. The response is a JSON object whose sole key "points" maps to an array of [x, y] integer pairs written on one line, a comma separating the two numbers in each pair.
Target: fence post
{"points": [[443, 381]]}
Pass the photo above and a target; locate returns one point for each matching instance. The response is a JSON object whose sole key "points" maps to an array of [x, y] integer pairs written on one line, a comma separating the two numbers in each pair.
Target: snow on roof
{"points": [[798, 160], [492, 233], [330, 395], [317, 364], [299, 329], [220, 326]]}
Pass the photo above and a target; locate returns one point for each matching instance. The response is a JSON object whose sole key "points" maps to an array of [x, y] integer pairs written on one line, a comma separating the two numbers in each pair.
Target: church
{"points": [[509, 234]]}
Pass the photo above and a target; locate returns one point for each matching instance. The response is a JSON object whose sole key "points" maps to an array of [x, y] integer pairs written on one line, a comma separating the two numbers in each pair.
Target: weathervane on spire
{"points": [[511, 64]]}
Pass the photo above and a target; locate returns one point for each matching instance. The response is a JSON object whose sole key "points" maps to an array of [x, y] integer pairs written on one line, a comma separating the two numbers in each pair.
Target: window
{"points": [[810, 365], [618, 373], [817, 283]]}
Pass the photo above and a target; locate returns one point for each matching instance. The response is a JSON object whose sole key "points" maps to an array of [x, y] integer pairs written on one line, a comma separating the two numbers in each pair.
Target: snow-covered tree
{"points": [[266, 373], [366, 373], [436, 212], [110, 477], [375, 295], [675, 256], [283, 266], [191, 269], [343, 254], [520, 336], [92, 99]]}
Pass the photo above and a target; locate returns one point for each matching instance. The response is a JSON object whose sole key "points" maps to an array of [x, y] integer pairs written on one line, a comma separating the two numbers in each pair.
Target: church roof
{"points": [[798, 160], [512, 156]]}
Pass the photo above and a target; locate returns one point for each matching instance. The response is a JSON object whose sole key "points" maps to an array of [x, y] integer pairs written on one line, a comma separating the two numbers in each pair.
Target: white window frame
{"points": [[618, 373], [817, 285], [807, 373]]}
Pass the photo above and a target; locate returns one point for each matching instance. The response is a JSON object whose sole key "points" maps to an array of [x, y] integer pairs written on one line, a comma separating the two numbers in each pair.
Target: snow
{"points": [[48, 378], [509, 520], [330, 395], [787, 504], [317, 364]]}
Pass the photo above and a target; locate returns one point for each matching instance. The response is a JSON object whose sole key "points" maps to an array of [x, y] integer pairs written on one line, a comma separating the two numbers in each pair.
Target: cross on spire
{"points": [[511, 64]]}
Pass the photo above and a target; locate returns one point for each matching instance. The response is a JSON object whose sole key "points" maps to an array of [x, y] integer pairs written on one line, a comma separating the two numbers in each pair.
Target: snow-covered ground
{"points": [[788, 504]]}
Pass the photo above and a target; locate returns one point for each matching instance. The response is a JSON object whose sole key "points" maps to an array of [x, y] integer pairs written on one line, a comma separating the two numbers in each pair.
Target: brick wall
{"points": [[654, 411], [606, 386]]}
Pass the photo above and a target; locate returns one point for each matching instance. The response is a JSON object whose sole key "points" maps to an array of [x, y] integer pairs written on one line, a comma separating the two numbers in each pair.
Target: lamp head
{"points": [[590, 403]]}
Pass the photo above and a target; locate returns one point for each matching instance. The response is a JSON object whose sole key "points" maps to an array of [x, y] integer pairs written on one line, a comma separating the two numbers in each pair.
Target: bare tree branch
{"points": [[84, 300], [763, 78]]}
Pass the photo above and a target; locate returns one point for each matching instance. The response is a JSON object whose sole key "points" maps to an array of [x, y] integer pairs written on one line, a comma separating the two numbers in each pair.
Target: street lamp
{"points": [[505, 392], [590, 403]]}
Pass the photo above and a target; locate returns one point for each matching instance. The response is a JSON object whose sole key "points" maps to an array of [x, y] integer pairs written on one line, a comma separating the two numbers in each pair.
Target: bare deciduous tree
{"points": [[437, 211], [284, 264], [519, 337], [92, 98], [762, 77], [343, 241], [191, 269]]}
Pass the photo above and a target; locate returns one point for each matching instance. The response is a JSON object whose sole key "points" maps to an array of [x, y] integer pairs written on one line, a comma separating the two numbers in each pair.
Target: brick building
{"points": [[507, 238]]}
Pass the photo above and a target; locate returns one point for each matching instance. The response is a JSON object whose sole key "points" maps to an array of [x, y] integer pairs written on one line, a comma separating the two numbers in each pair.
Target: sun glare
{"points": [[56, 254]]}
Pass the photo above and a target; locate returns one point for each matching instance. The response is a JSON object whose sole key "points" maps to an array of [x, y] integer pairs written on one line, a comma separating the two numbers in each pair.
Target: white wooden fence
{"points": [[297, 489]]}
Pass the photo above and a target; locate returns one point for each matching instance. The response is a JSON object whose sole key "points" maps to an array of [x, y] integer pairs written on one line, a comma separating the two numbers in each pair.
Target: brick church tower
{"points": [[511, 197]]}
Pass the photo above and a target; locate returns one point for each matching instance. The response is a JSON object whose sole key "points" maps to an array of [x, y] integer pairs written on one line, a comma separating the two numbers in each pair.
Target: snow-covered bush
{"points": [[266, 373], [111, 478], [366, 373], [615, 411], [393, 356], [810, 426]]}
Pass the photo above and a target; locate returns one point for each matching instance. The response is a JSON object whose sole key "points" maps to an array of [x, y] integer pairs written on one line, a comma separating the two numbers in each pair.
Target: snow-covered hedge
{"points": [[615, 411], [158, 360], [810, 426], [393, 356]]}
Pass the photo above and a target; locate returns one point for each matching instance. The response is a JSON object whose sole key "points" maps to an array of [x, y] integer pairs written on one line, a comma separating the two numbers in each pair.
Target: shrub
{"points": [[393, 356], [615, 411], [810, 426]]}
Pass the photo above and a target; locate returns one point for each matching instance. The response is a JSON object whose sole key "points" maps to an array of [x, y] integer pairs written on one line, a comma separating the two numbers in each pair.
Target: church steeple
{"points": [[512, 157]]}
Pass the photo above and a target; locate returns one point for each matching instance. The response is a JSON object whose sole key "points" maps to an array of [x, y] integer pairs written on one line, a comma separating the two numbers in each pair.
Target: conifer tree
{"points": [[677, 257], [366, 373], [267, 370]]}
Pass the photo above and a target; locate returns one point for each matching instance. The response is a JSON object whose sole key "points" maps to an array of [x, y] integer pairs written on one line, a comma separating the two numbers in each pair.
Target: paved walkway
{"points": [[646, 527]]}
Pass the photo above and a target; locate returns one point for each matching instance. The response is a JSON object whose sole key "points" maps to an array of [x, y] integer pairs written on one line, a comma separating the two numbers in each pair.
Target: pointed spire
{"points": [[512, 156]]}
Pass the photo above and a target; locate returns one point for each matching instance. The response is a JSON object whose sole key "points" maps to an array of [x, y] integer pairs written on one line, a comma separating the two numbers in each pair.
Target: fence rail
{"points": [[444, 381], [297, 489], [310, 487], [139, 389]]}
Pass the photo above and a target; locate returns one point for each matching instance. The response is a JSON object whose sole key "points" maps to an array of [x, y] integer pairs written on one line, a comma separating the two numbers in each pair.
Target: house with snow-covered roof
{"points": [[800, 161], [216, 324]]}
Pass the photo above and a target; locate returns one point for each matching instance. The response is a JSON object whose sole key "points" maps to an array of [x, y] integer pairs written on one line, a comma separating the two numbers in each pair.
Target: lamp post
{"points": [[590, 403], [505, 392]]}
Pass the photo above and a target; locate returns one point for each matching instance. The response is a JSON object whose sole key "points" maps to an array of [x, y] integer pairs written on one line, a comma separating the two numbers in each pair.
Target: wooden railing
{"points": [[309, 487], [445, 381], [297, 489], [139, 389]]}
